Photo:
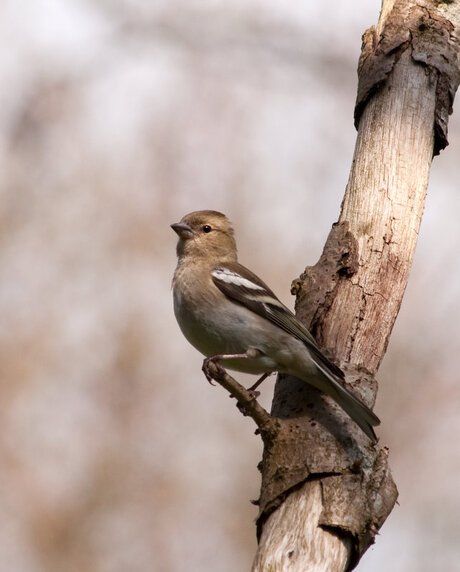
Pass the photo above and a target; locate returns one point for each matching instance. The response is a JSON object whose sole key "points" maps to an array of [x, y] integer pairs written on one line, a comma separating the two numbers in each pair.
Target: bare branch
{"points": [[246, 399], [351, 297]]}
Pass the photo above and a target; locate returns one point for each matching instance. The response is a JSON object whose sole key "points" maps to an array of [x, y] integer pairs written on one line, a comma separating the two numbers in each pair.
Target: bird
{"points": [[233, 318]]}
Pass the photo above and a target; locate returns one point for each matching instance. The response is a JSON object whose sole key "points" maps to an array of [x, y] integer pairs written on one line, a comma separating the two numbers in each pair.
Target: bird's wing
{"points": [[242, 286]]}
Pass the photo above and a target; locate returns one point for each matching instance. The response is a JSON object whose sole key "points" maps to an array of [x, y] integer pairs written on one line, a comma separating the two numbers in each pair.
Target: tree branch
{"points": [[246, 399], [351, 297]]}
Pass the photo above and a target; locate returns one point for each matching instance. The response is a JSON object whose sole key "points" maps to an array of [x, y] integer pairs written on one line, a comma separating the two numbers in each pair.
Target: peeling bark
{"points": [[429, 31]]}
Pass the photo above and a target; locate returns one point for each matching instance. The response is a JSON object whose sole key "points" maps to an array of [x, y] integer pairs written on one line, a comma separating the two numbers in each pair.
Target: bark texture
{"points": [[325, 489]]}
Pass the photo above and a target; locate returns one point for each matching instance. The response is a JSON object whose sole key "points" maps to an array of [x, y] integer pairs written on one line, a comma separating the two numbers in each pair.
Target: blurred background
{"points": [[116, 118]]}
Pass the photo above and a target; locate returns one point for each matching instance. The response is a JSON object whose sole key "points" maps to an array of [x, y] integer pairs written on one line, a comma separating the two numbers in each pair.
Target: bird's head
{"points": [[206, 234]]}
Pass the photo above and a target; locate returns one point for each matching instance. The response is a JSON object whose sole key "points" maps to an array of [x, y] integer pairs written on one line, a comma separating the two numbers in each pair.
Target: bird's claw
{"points": [[205, 369]]}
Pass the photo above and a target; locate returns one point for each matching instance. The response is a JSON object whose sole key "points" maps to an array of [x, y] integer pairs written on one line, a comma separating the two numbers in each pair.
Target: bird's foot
{"points": [[205, 368], [257, 383]]}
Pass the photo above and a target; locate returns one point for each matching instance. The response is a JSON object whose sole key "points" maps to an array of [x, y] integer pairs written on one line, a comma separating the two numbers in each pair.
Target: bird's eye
{"points": [[206, 228]]}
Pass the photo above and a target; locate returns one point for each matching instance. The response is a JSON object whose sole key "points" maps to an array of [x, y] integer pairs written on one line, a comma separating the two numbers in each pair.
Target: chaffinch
{"points": [[230, 315]]}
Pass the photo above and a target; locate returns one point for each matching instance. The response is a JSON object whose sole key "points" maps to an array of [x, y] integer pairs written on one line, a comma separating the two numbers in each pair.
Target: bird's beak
{"points": [[183, 230]]}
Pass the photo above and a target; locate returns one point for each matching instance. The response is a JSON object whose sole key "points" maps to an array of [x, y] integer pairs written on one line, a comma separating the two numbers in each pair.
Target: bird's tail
{"points": [[360, 413], [356, 409]]}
